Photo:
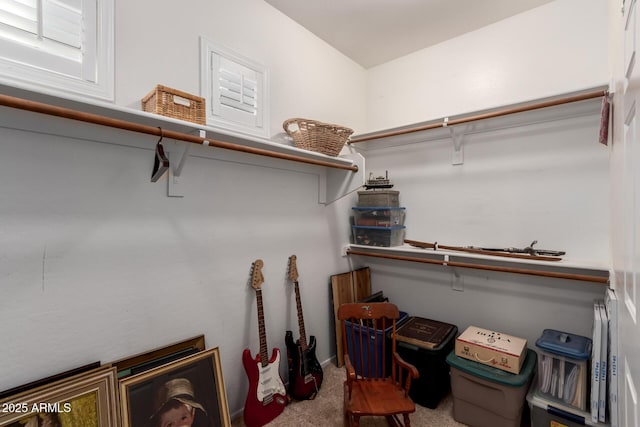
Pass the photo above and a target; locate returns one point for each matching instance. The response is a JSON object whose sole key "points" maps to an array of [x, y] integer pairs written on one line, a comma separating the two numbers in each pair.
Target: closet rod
{"points": [[38, 107], [498, 113], [582, 277]]}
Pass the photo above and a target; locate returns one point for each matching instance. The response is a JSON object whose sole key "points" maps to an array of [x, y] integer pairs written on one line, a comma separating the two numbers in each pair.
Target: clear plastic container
{"points": [[378, 236], [562, 367], [385, 216]]}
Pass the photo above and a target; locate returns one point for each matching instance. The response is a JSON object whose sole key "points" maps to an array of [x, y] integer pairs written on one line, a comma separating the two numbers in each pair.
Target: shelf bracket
{"points": [[338, 182], [457, 280], [457, 155], [173, 186]]}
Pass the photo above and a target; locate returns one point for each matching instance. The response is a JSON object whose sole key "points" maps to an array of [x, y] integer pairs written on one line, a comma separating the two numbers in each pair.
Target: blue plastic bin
{"points": [[374, 348], [565, 357]]}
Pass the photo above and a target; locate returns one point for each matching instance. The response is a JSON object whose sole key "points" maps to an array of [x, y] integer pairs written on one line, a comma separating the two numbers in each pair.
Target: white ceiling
{"points": [[372, 32]]}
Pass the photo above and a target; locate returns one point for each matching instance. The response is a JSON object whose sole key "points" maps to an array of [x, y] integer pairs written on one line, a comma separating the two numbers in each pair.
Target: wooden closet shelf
{"points": [[133, 126], [559, 270]]}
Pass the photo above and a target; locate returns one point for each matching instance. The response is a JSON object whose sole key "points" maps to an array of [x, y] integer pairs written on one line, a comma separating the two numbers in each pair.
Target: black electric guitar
{"points": [[267, 395], [305, 373]]}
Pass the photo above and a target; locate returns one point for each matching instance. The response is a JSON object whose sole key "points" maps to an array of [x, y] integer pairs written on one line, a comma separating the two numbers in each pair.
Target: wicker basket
{"points": [[175, 103], [316, 136]]}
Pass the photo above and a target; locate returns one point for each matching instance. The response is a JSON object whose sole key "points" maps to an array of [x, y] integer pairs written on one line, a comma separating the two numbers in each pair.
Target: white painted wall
{"points": [[545, 181], [556, 48], [157, 43], [98, 264]]}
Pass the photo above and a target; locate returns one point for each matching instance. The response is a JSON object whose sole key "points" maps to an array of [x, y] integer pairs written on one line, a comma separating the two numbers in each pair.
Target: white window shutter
{"points": [[54, 44], [19, 15], [235, 88], [62, 21]]}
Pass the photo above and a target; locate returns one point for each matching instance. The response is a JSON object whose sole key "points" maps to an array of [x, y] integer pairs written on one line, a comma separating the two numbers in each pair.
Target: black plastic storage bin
{"points": [[425, 343]]}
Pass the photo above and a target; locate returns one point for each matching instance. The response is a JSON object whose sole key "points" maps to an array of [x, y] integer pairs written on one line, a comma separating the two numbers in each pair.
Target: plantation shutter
{"points": [[55, 20], [64, 45], [238, 92]]}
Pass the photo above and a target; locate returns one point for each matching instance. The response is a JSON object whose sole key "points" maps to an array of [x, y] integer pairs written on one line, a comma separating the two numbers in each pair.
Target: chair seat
{"points": [[378, 397]]}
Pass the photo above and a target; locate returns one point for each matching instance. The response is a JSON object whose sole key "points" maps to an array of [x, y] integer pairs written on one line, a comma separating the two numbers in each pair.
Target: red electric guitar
{"points": [[305, 373], [267, 394]]}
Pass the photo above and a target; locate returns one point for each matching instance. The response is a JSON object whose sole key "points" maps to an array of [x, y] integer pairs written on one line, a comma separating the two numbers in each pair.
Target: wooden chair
{"points": [[378, 380]]}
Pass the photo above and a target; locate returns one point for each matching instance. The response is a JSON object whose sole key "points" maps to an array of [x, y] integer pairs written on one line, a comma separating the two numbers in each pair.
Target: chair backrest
{"points": [[369, 336]]}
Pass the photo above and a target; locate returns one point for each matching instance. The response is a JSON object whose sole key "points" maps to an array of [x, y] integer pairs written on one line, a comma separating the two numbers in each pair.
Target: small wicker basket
{"points": [[324, 138], [175, 103]]}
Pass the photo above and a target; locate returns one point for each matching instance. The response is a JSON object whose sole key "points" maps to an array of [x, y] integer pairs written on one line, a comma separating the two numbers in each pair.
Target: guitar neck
{"points": [[303, 335], [264, 354]]}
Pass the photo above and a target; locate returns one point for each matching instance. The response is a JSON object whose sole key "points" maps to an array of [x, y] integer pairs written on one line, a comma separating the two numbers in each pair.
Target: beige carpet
{"points": [[326, 409]]}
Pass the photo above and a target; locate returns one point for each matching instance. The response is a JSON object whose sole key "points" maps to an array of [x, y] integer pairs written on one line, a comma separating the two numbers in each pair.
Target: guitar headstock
{"points": [[256, 274], [293, 269]]}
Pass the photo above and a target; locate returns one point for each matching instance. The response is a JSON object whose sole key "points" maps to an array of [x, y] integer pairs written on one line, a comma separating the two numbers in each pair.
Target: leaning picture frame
{"points": [[89, 399], [144, 361], [191, 388]]}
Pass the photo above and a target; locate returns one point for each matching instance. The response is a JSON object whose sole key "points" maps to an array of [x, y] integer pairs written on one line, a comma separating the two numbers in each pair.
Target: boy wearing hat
{"points": [[176, 405]]}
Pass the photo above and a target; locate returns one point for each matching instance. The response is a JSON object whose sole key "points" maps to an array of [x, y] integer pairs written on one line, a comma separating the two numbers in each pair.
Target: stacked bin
{"points": [[378, 219], [484, 396], [425, 343], [562, 368]]}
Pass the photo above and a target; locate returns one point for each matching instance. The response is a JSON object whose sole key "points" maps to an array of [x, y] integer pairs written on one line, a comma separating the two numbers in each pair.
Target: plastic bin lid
{"points": [[494, 374], [429, 334], [376, 227], [571, 413], [565, 344], [377, 208]]}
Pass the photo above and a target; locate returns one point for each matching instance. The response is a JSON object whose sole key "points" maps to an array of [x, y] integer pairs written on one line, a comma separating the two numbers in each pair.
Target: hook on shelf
{"points": [[160, 160]]}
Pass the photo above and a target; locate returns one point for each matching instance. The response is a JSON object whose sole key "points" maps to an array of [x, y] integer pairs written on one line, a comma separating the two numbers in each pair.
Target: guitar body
{"points": [[267, 394], [305, 372]]}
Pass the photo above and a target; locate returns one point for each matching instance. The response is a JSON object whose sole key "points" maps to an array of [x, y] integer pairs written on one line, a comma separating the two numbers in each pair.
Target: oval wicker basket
{"points": [[325, 138]]}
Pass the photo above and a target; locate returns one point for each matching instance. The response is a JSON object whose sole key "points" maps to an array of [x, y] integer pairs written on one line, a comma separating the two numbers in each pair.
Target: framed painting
{"points": [[47, 380], [190, 389], [89, 399], [159, 356]]}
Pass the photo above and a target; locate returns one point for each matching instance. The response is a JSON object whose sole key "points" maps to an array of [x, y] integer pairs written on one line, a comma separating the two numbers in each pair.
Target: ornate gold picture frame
{"points": [[191, 387], [88, 399]]}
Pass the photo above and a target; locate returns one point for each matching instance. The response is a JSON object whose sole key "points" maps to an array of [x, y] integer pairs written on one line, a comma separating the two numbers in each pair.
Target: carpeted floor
{"points": [[326, 409]]}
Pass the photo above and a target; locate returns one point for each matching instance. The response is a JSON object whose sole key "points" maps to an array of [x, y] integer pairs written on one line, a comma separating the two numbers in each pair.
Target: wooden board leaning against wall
{"points": [[348, 287]]}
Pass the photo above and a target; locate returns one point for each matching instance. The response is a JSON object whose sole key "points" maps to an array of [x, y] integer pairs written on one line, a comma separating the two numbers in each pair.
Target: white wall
{"points": [[97, 263], [556, 48], [300, 65], [547, 180]]}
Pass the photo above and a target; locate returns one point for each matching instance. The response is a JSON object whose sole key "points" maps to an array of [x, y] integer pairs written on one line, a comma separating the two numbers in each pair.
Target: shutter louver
{"points": [[63, 22], [238, 91], [20, 14], [237, 100], [58, 20]]}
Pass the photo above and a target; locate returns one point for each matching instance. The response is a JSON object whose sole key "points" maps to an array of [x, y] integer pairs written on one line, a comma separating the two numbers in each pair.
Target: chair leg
{"points": [[407, 421], [347, 416]]}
